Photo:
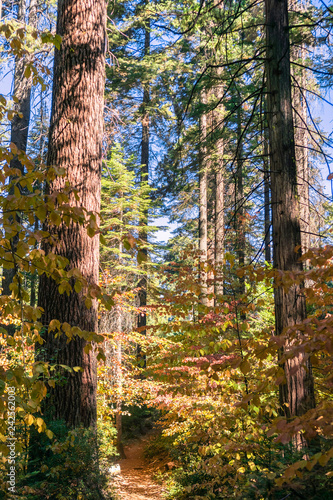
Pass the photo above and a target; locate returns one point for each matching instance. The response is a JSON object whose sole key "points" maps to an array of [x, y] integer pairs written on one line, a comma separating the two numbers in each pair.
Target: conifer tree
{"points": [[297, 393], [75, 144]]}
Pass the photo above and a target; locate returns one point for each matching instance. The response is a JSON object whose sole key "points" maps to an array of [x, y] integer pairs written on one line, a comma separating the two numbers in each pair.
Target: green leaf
{"points": [[141, 257]]}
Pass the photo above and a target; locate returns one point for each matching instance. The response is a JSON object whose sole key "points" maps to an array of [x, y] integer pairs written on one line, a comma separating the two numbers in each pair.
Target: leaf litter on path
{"points": [[133, 475]]}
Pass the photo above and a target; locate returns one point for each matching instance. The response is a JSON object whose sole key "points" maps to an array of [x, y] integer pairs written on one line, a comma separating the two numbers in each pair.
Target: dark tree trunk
{"points": [[239, 202], [297, 394], [211, 203], [219, 221], [203, 216], [144, 173], [267, 209], [20, 122], [219, 193], [75, 143]]}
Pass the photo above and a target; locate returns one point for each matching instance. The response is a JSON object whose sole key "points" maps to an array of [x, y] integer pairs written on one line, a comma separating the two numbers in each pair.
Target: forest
{"points": [[166, 250]]}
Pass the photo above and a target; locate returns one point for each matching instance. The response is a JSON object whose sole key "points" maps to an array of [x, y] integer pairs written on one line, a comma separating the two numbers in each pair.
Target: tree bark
{"points": [[219, 196], [297, 394], [203, 189], [239, 205], [75, 143], [267, 209], [20, 124], [144, 173], [301, 143], [219, 222]]}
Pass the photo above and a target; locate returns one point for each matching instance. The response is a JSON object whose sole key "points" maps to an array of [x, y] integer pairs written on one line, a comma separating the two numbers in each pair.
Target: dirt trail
{"points": [[134, 482]]}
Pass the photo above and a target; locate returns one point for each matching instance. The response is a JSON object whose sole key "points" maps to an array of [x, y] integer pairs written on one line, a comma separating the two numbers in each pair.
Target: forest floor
{"points": [[135, 478]]}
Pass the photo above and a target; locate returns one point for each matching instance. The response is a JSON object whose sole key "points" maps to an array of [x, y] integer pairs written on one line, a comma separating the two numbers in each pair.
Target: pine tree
{"points": [[75, 144]]}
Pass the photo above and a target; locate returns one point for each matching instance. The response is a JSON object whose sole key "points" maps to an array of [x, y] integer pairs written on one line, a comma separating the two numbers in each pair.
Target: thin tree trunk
{"points": [[297, 394], [119, 426], [301, 142], [219, 224], [119, 382], [144, 174], [239, 218], [267, 209], [34, 276], [219, 198], [203, 188], [75, 143], [20, 124], [119, 361], [211, 208]]}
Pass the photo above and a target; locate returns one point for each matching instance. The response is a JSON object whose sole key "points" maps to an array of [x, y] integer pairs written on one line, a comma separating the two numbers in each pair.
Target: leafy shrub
{"points": [[70, 467]]}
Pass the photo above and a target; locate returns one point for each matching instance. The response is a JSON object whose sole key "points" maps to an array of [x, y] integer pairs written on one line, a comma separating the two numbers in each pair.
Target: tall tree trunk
{"points": [[75, 143], [219, 222], [20, 123], [119, 360], [301, 138], [144, 173], [239, 217], [211, 208], [219, 194], [203, 189], [297, 394], [267, 209], [119, 382]]}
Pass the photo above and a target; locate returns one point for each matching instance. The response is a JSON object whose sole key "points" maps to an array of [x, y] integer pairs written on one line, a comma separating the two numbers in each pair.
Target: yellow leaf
{"points": [[29, 419], [41, 213], [55, 218], [87, 348], [54, 325], [27, 72], [40, 422], [78, 286], [323, 460]]}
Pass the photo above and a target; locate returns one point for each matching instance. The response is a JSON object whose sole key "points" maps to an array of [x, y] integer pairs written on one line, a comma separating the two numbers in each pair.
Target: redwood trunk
{"points": [[75, 143], [297, 394]]}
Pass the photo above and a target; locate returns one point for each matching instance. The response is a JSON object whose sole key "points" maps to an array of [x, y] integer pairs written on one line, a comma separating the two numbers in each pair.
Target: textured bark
{"points": [[20, 122], [219, 223], [203, 189], [75, 143], [211, 208], [219, 195], [239, 204], [144, 173], [267, 197], [301, 143], [297, 394]]}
